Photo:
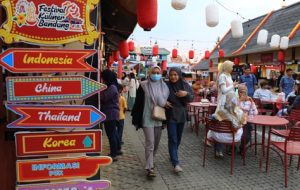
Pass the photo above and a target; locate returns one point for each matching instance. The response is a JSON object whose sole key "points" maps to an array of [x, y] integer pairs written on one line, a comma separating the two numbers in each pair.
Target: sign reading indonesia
{"points": [[48, 22]]}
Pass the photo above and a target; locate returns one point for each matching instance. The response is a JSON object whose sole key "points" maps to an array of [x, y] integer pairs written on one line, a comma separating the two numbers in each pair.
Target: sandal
{"points": [[151, 173]]}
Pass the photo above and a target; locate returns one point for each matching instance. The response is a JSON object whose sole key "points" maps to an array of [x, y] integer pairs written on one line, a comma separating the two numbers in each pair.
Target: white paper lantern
{"points": [[284, 42], [275, 40], [212, 15], [237, 28], [178, 4], [262, 37]]}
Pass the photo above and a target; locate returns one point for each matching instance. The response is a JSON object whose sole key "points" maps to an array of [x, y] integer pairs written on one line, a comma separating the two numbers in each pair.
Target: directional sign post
{"points": [[46, 60], [60, 168], [43, 89], [45, 143], [40, 116]]}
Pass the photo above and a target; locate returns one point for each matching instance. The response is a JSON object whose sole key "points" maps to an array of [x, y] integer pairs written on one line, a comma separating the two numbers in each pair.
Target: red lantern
{"points": [[221, 53], [123, 48], [174, 53], [131, 46], [115, 55], [146, 12], [206, 54], [120, 69], [155, 50], [110, 61], [236, 61], [211, 63], [191, 54], [281, 56]]}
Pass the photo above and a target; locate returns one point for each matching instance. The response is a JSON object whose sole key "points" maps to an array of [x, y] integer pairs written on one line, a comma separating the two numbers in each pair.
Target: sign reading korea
{"points": [[70, 185], [43, 143], [46, 60], [48, 22], [45, 89], [40, 116], [60, 168]]}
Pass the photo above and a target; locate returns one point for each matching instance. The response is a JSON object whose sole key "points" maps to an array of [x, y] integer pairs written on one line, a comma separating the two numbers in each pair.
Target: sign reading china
{"points": [[43, 89], [40, 116], [46, 60], [70, 185], [60, 168], [41, 143], [48, 22]]}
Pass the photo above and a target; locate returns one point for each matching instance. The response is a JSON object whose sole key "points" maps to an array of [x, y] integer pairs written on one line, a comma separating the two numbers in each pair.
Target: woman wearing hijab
{"points": [[180, 94], [110, 107], [133, 86], [151, 92]]}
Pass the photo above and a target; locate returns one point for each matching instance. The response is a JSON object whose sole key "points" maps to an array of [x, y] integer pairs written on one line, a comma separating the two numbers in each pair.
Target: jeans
{"points": [[120, 129], [112, 134], [174, 138], [246, 131]]}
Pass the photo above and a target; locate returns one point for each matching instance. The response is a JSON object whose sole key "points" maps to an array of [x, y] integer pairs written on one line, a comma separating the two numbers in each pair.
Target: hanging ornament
{"points": [[191, 54], [110, 61], [236, 61], [221, 53], [212, 15], [123, 48], [155, 50], [281, 56], [174, 53], [146, 12], [211, 63], [262, 37], [131, 45], [178, 4], [116, 55], [275, 40], [284, 42], [206, 54], [237, 28]]}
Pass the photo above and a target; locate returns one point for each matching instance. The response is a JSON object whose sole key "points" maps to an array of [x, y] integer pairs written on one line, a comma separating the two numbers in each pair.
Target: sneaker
{"points": [[219, 154], [178, 169]]}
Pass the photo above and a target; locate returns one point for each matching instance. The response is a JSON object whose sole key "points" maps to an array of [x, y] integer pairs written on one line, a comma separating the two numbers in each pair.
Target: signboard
{"points": [[46, 60], [48, 22], [40, 116], [60, 168], [70, 185], [43, 143], [45, 89]]}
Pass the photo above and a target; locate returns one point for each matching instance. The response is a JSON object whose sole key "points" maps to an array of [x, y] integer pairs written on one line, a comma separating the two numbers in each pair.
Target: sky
{"points": [[190, 24]]}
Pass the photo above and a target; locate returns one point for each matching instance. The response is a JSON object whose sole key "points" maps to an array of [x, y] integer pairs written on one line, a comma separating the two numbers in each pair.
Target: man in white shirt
{"points": [[263, 93]]}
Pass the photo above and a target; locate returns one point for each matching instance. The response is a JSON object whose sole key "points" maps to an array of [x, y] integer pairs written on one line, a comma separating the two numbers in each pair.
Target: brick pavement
{"points": [[128, 172]]}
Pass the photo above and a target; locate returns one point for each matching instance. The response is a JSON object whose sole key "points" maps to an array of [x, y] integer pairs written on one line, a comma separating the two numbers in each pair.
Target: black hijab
{"points": [[178, 85], [109, 77]]}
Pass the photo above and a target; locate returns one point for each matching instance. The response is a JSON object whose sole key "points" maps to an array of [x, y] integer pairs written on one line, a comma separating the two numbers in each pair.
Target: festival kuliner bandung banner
{"points": [[48, 22]]}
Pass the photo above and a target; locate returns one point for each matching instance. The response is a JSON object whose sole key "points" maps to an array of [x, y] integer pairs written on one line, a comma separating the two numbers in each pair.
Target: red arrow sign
{"points": [[60, 168], [41, 143], [45, 60], [40, 116]]}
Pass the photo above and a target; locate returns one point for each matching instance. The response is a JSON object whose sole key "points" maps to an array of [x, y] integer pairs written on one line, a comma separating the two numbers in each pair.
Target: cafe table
{"points": [[274, 104]]}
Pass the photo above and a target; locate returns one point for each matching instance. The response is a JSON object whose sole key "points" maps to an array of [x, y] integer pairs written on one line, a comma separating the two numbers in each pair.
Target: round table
{"points": [[274, 103], [201, 104]]}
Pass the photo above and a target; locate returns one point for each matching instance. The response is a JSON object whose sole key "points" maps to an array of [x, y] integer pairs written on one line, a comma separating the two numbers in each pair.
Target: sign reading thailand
{"points": [[70, 185], [45, 89], [46, 60], [60, 168], [43, 143], [48, 22], [40, 116]]}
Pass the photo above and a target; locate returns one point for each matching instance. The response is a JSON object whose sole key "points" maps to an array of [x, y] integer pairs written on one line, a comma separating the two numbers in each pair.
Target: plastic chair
{"points": [[223, 127], [291, 146], [191, 113], [260, 109]]}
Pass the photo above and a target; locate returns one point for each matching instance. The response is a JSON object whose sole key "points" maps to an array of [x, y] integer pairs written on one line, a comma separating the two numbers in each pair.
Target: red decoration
{"points": [[115, 55], [207, 54], [131, 46], [146, 12], [281, 56], [164, 65], [123, 48], [174, 53], [236, 61], [211, 63], [110, 61], [120, 69], [191, 54], [221, 53], [155, 50]]}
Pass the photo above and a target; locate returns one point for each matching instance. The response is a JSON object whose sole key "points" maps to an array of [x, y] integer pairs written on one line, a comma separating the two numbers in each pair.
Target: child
{"points": [[123, 108]]}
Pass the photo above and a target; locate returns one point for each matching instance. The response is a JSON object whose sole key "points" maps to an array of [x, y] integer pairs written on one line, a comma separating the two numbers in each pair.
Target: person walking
{"points": [[287, 83], [123, 108], [250, 80], [133, 86], [180, 94], [152, 92]]}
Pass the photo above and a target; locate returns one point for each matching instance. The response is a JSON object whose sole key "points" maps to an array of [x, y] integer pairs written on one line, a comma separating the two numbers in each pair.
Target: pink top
{"points": [[268, 120]]}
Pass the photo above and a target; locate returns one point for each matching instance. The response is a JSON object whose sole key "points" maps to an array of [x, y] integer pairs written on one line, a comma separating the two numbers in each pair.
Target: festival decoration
{"points": [[191, 54], [178, 4], [212, 15], [275, 40], [262, 37], [284, 42], [131, 45], [123, 48], [206, 54], [174, 53], [155, 50], [146, 12], [211, 63], [116, 55], [221, 53], [281, 56], [236, 61], [237, 28]]}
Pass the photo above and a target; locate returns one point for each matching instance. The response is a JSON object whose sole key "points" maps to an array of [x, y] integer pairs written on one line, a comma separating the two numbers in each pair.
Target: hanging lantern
{"points": [[178, 4], [191, 54], [174, 53], [237, 28], [123, 48], [110, 61], [155, 50], [281, 56], [131, 46], [284, 42], [275, 40], [146, 12], [262, 37], [120, 69], [116, 55], [221, 53], [236, 61], [206, 54], [212, 15], [211, 63]]}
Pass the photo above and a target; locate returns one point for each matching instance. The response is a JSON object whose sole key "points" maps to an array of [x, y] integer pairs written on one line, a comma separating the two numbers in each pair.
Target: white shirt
{"points": [[263, 94]]}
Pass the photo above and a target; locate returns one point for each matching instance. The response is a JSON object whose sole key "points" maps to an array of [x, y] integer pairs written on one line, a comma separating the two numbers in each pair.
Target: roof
{"points": [[148, 51], [202, 65]]}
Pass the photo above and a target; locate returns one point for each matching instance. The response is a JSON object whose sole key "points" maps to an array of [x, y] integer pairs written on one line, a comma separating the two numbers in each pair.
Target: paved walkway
{"points": [[128, 172]]}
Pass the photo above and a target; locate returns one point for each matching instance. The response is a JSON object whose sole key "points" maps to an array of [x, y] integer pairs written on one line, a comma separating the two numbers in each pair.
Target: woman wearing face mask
{"points": [[180, 94], [151, 92]]}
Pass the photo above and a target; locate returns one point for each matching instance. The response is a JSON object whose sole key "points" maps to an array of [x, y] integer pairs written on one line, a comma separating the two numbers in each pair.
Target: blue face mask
{"points": [[155, 77]]}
